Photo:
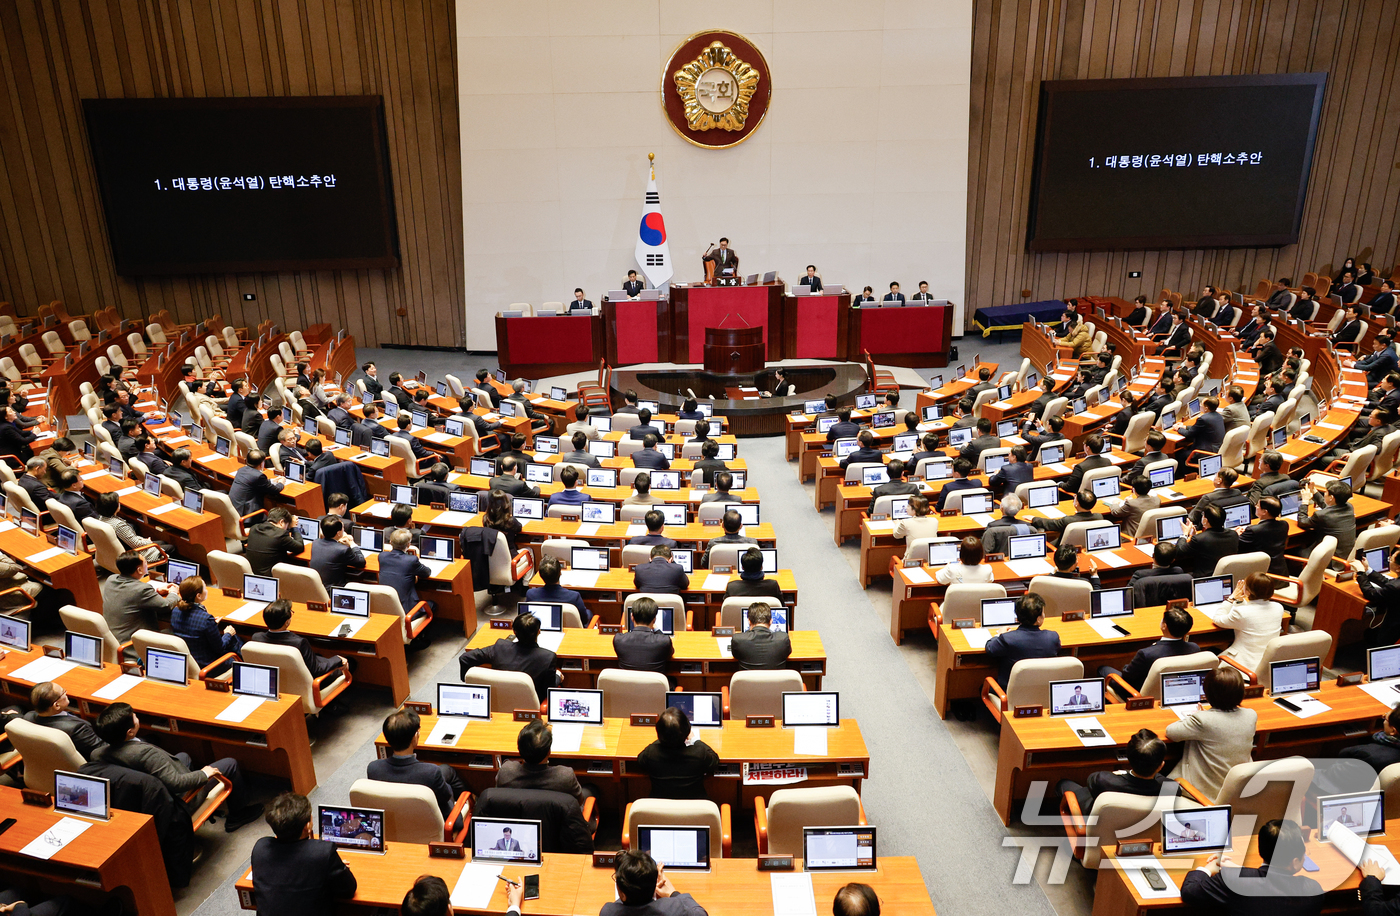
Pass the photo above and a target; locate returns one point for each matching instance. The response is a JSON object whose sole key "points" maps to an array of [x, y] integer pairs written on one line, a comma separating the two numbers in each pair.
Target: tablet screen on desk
{"points": [[527, 507], [998, 612], [546, 445], [67, 539], [539, 473], [843, 447], [1104, 487], [704, 710], [350, 602], [255, 680], [906, 442], [778, 619], [1211, 590], [1210, 465], [664, 622], [83, 649], [874, 476], [1077, 697], [472, 701], [672, 514], [665, 480], [1237, 516], [1104, 537], [296, 471], [684, 558], [482, 467], [811, 707], [1195, 830], [1382, 662], [942, 551], [458, 501], [1362, 812], [748, 512], [550, 616], [436, 548], [379, 447], [957, 438], [402, 494], [865, 401], [582, 707], [1040, 497], [589, 558], [1184, 688], [353, 829], [166, 666], [366, 538], [838, 848], [455, 426], [1026, 547], [1296, 675], [678, 848], [499, 839], [602, 477], [14, 633], [151, 484], [1049, 454], [1169, 528], [1161, 477], [1111, 602], [85, 796], [599, 513], [310, 529]]}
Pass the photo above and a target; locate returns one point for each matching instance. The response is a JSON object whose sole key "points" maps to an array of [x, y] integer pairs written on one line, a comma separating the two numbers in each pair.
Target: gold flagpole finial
{"points": [[651, 157]]}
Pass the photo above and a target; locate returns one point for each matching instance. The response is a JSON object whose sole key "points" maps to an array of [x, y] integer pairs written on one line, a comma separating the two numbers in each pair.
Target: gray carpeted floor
{"points": [[930, 782]]}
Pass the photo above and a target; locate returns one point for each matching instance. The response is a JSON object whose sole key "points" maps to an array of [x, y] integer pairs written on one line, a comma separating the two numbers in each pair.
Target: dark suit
{"points": [[299, 878], [1075, 481], [375, 388], [726, 259], [953, 486], [558, 594], [1268, 537], [650, 459], [633, 287], [643, 649], [1179, 338], [234, 408], [762, 587], [408, 770], [1011, 476], [37, 491], [341, 417], [1162, 325], [513, 486], [1224, 316], [1217, 497], [322, 461], [676, 905], [184, 477], [1270, 359], [1382, 303], [660, 576], [677, 772], [1253, 892], [893, 297], [267, 434], [402, 572], [1199, 555], [1060, 524], [316, 664], [250, 486], [708, 467], [761, 649], [1138, 316], [1147, 584], [1263, 482], [863, 455], [1378, 365], [1348, 332], [848, 429], [77, 503], [508, 655], [1206, 434], [84, 738], [1101, 781], [1338, 521], [1205, 306], [814, 282], [517, 774], [335, 561], [1023, 642], [1135, 671], [974, 449], [639, 432], [253, 420]]}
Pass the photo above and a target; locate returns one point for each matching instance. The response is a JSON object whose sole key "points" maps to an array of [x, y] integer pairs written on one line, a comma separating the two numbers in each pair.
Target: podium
{"points": [[734, 351]]}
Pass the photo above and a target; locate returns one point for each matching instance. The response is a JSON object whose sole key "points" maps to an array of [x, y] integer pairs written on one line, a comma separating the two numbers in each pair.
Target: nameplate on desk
{"points": [[1182, 603], [950, 513], [775, 863], [965, 623], [1072, 615], [53, 652], [316, 606], [1033, 711], [1145, 541], [1254, 692], [721, 570], [711, 522], [604, 860], [644, 718], [36, 798], [1143, 848], [758, 722], [232, 592], [722, 631], [446, 851], [502, 624], [879, 517], [418, 706], [911, 562], [609, 629], [526, 715], [995, 557], [1346, 576], [827, 455], [1134, 703], [568, 518], [1348, 680], [214, 683]]}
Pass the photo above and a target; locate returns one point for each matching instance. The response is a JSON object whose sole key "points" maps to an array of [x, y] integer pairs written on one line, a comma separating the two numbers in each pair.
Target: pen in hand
{"points": [[507, 880]]}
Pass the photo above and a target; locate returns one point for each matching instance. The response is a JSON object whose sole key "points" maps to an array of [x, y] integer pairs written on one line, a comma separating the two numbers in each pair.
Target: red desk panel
{"points": [[735, 306], [537, 346], [909, 336], [818, 326], [632, 329]]}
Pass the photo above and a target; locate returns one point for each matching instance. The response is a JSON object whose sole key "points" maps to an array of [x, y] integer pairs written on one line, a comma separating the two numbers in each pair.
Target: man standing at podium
{"points": [[812, 280], [726, 261], [633, 287]]}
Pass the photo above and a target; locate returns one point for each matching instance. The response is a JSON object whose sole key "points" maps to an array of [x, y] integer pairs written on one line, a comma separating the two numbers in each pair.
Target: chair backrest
{"points": [[297, 583], [293, 676], [561, 548], [411, 812], [1371, 538], [674, 602], [983, 398], [44, 750], [1029, 684], [1135, 436], [633, 554], [1232, 447], [964, 599], [384, 600], [1311, 576], [1053, 408], [108, 545], [1290, 646], [244, 443], [714, 509], [1075, 533], [628, 692], [1061, 594], [1258, 433], [760, 693], [64, 515], [990, 453], [510, 690], [1355, 468], [1385, 458], [734, 609], [727, 555], [1152, 685], [220, 504], [1242, 564], [955, 499], [454, 386], [1259, 791], [21, 496], [52, 342], [1389, 782], [790, 810], [156, 334], [670, 812], [91, 623], [1121, 818], [228, 569], [142, 640]]}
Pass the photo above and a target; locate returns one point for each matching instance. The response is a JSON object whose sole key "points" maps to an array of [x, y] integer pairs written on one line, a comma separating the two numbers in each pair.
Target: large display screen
{"points": [[226, 185], [1176, 162]]}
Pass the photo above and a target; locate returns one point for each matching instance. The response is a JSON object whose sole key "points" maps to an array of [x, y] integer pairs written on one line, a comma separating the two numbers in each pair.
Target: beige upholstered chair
{"points": [[760, 693], [44, 750], [384, 600], [1029, 684], [510, 690], [1116, 818], [667, 812], [1152, 684], [297, 583], [294, 678], [91, 623], [779, 823], [411, 812], [628, 692], [228, 569]]}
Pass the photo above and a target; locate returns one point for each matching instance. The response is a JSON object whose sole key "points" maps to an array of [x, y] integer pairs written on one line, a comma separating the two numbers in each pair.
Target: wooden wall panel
{"points": [[53, 242], [1351, 204]]}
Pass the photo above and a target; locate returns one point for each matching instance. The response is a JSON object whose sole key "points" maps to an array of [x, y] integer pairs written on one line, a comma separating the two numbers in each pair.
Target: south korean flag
{"points": [[653, 251]]}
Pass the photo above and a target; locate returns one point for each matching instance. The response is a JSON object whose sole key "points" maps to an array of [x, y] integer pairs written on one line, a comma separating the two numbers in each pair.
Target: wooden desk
{"points": [[569, 884], [77, 574], [1046, 749], [120, 856], [193, 533], [699, 663], [272, 740], [606, 595]]}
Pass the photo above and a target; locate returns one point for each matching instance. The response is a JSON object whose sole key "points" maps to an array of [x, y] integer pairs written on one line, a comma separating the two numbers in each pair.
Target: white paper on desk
{"points": [[355, 625], [918, 575], [439, 437], [1328, 426], [1050, 512], [8, 526], [809, 740], [1357, 849], [240, 709], [636, 529], [91, 474], [1132, 868], [43, 669], [567, 736], [447, 725], [1082, 723], [1386, 692], [1002, 405], [1031, 567], [1104, 627], [551, 641], [792, 894], [176, 440], [881, 527], [1058, 469], [117, 687], [379, 510], [716, 582], [246, 612], [1110, 558], [983, 520], [457, 519], [43, 555], [127, 491], [209, 459], [161, 510], [725, 648], [579, 578], [587, 530], [1311, 706], [476, 884], [977, 637], [359, 456], [48, 843]]}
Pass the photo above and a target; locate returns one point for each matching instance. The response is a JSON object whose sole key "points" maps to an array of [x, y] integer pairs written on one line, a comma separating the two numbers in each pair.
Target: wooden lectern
{"points": [[734, 351]]}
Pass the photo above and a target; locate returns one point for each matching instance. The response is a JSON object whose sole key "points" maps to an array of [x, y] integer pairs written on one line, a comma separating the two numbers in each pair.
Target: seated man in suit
{"points": [[997, 536], [1272, 464], [1084, 502], [867, 295], [1093, 460], [643, 647], [251, 485], [726, 260], [1176, 626], [401, 569], [532, 771], [1383, 303], [643, 888], [1205, 435], [660, 575], [644, 427], [402, 733], [1381, 362], [811, 279], [866, 454], [571, 495], [372, 383], [398, 392], [963, 470], [1352, 327], [1178, 337], [724, 482], [1223, 495], [31, 481], [236, 403], [984, 440], [1335, 516], [275, 539], [648, 457], [1208, 303], [50, 702], [319, 457], [843, 428], [752, 583], [524, 653], [1269, 534], [709, 463], [339, 412], [550, 570], [334, 555], [580, 303], [580, 454], [404, 424], [1163, 564], [1015, 472], [1027, 640], [367, 430], [732, 523], [70, 493], [1199, 551], [923, 295], [641, 492], [633, 287], [760, 647], [655, 523], [1279, 880], [1129, 512], [1146, 754], [509, 481], [296, 874], [898, 484], [894, 295], [677, 765], [581, 425]]}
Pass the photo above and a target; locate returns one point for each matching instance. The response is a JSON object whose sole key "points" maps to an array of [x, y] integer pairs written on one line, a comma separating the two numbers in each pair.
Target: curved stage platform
{"points": [[752, 416]]}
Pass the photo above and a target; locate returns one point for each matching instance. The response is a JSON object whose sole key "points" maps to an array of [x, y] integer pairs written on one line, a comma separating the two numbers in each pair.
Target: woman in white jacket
{"points": [[1253, 616]]}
